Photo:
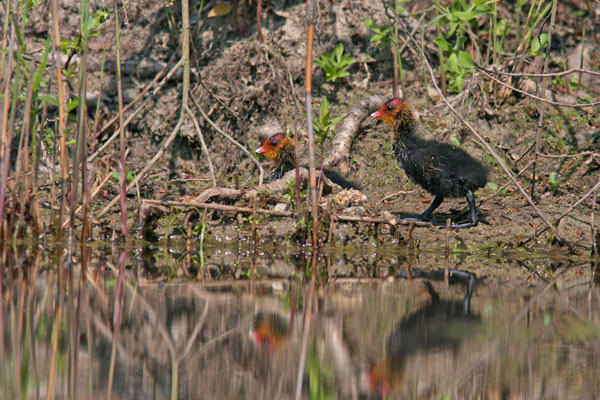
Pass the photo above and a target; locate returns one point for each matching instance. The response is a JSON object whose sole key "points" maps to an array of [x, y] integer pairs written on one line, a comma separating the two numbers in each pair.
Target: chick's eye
{"points": [[273, 143], [390, 108]]}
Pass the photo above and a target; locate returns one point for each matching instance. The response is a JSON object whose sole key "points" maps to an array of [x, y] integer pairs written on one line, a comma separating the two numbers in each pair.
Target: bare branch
{"points": [[533, 96]]}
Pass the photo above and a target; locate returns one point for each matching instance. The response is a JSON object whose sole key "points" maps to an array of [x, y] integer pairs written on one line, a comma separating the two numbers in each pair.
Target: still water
{"points": [[235, 323]]}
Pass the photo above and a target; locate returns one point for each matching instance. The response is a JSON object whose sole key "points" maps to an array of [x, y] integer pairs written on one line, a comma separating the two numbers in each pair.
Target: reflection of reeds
{"points": [[116, 324], [176, 335]]}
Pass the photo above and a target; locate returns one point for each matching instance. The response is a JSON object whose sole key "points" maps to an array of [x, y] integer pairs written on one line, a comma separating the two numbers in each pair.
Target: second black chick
{"points": [[280, 150], [440, 168]]}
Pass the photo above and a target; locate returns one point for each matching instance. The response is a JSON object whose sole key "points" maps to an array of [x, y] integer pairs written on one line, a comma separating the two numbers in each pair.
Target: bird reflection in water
{"points": [[269, 331], [438, 326]]}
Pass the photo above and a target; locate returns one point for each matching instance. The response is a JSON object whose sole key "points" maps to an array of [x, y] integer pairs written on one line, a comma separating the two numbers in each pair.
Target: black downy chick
{"points": [[280, 150], [442, 169]]}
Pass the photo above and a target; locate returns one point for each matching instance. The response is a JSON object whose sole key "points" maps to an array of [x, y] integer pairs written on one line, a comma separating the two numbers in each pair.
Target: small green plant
{"points": [[538, 45], [335, 64], [457, 20], [383, 34], [129, 175], [538, 11], [455, 141], [552, 181], [324, 123], [290, 191], [71, 47]]}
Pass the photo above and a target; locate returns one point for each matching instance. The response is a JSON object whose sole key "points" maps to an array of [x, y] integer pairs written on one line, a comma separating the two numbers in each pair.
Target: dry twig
{"points": [[231, 139], [137, 110], [533, 96], [215, 206], [204, 148]]}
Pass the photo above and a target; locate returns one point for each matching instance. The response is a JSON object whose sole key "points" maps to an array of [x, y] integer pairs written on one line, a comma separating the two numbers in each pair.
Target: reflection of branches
{"points": [[124, 354], [345, 368], [493, 343], [195, 333], [151, 313]]}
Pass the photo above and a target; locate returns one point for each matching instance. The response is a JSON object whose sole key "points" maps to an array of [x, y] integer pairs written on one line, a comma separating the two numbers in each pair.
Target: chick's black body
{"points": [[440, 168]]}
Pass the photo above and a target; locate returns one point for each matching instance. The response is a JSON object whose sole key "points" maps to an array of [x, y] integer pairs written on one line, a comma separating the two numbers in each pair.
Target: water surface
{"points": [[231, 322]]}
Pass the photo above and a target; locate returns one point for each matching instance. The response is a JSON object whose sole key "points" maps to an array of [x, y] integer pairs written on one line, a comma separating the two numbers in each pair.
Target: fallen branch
{"points": [[342, 142], [506, 184], [216, 206], [582, 154], [352, 218], [277, 186], [564, 214]]}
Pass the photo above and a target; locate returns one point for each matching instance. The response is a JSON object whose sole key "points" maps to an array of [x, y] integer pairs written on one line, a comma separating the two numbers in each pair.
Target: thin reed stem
{"points": [[4, 134], [122, 165], [542, 111], [62, 116], [311, 13]]}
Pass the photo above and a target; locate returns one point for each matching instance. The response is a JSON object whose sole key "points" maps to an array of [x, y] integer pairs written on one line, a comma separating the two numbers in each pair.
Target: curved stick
{"points": [[342, 141]]}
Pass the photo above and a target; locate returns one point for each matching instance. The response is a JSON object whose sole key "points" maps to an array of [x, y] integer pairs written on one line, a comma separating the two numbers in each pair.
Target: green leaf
{"points": [[464, 59], [436, 20], [453, 25], [455, 141], [338, 51], [442, 43], [465, 15], [370, 23], [492, 186], [501, 27], [48, 99], [324, 111], [72, 104], [336, 120], [535, 45], [453, 63]]}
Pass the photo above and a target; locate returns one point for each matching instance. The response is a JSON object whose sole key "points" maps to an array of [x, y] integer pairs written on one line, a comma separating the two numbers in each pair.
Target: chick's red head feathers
{"points": [[271, 147], [394, 113]]}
